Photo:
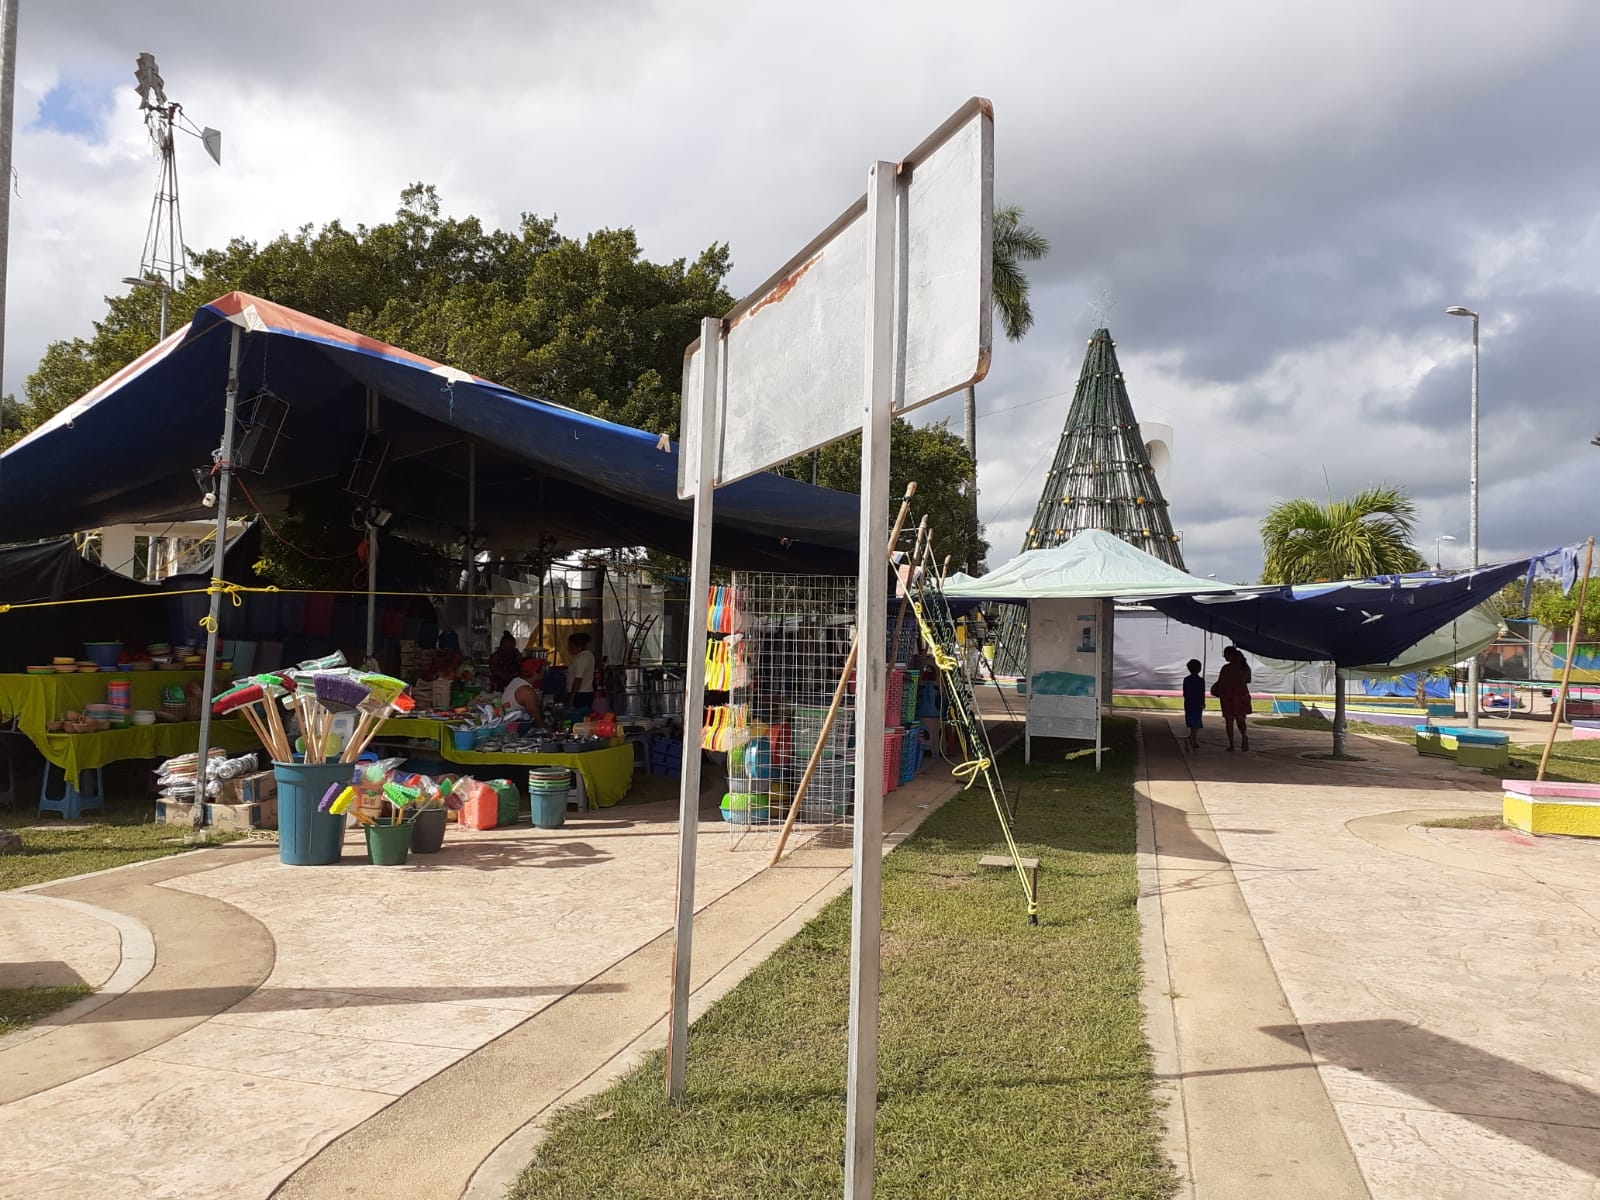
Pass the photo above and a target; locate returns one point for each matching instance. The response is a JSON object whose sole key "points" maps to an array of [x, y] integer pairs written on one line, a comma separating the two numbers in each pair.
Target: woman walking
{"points": [[1232, 690]]}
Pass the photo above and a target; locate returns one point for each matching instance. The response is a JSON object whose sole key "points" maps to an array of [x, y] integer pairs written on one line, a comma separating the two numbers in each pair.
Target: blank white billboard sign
{"points": [[794, 349]]}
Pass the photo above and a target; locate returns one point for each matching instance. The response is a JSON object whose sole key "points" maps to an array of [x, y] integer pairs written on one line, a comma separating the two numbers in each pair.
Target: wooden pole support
{"points": [[1566, 669]]}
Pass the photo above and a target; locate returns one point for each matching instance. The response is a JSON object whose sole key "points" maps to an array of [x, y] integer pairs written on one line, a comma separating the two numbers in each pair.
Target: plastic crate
{"points": [[892, 741]]}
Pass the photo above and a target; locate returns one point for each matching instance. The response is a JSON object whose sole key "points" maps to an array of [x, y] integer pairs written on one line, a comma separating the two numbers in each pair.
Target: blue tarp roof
{"points": [[545, 473], [1350, 624]]}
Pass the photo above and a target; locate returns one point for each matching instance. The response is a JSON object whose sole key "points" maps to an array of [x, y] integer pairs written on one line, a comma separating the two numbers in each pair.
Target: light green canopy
{"points": [[1092, 564]]}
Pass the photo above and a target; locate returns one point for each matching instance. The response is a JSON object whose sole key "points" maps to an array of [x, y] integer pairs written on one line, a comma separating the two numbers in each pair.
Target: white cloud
{"points": [[1278, 199]]}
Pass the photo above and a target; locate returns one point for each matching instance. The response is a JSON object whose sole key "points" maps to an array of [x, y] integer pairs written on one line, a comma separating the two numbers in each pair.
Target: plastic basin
{"points": [[306, 837], [103, 653]]}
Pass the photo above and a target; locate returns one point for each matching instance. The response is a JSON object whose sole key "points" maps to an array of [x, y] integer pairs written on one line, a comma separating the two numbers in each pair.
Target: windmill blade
{"points": [[211, 139]]}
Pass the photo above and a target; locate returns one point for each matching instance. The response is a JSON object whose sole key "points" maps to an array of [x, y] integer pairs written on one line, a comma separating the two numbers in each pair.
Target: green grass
{"points": [[21, 1007], [1012, 1058], [1395, 733], [52, 849], [1570, 762], [1480, 821]]}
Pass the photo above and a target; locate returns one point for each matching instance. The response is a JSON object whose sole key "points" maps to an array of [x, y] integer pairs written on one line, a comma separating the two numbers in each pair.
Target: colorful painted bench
{"points": [[1567, 808], [1488, 749]]}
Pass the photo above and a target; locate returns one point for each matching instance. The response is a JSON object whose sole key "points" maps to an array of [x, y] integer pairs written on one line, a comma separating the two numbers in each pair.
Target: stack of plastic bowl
{"points": [[143, 716]]}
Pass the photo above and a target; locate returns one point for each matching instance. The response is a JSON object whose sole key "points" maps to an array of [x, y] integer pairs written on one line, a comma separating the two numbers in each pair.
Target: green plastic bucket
{"points": [[306, 837], [389, 845]]}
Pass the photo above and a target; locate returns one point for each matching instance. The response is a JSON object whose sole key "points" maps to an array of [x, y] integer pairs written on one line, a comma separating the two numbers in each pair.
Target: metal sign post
{"points": [[887, 309], [872, 632], [700, 415]]}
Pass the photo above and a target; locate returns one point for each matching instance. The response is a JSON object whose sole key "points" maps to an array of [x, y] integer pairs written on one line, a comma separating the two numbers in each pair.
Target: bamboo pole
{"points": [[838, 697], [1566, 669]]}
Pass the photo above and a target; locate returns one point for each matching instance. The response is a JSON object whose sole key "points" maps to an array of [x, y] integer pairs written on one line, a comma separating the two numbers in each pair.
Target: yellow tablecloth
{"points": [[74, 752], [36, 700], [607, 774]]}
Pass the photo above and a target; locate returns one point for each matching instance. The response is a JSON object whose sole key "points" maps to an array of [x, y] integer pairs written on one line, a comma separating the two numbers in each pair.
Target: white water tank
{"points": [[1158, 445]]}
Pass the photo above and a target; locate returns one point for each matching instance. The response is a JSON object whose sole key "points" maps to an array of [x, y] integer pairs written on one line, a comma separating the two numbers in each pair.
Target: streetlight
{"points": [[1455, 310], [160, 285], [1438, 543]]}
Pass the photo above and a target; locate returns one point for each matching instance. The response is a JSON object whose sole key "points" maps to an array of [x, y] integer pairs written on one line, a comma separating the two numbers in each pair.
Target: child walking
{"points": [[1194, 702]]}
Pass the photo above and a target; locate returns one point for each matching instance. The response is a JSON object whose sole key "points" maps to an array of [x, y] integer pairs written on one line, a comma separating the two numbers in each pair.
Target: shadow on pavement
{"points": [[1558, 1119]]}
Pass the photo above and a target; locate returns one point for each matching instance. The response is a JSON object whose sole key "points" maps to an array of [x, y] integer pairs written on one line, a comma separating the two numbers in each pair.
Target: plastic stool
{"points": [[641, 749], [71, 803]]}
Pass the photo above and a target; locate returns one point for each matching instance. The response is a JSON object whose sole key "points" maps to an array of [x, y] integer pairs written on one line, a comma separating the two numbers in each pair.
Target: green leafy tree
{"points": [[1013, 243], [933, 457], [1370, 533], [1553, 609]]}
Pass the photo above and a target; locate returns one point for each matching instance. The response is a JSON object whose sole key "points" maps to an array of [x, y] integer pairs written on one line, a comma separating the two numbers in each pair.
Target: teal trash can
{"points": [[306, 837], [549, 803]]}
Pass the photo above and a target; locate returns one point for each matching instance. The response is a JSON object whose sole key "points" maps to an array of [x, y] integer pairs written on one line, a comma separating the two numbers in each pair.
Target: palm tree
{"points": [[1013, 244], [1304, 541]]}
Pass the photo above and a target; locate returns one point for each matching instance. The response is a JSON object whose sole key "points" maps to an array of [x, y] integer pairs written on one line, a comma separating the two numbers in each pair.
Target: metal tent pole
{"points": [[218, 567]]}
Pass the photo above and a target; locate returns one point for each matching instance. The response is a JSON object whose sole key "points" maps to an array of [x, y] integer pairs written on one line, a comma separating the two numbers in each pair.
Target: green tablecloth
{"points": [[607, 774], [36, 700]]}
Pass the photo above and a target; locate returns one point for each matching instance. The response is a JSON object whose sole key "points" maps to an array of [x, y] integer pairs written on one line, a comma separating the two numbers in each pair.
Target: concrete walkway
{"points": [[360, 1031], [1359, 1005]]}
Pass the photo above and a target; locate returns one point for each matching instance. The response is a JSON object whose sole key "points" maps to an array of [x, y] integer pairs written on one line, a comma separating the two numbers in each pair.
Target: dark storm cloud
{"points": [[1276, 201]]}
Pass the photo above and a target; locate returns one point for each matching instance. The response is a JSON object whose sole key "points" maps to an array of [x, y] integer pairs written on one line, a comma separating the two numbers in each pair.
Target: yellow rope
{"points": [[974, 767], [234, 590]]}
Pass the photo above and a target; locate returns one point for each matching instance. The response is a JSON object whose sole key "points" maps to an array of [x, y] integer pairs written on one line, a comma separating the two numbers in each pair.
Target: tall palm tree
{"points": [[1304, 541], [1014, 243]]}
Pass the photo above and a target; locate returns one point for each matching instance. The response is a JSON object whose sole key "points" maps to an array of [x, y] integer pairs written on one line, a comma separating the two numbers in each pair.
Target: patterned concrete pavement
{"points": [[1442, 982]]}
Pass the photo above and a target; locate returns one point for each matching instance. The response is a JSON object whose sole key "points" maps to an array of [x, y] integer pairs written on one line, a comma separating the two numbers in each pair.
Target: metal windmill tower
{"points": [[1102, 478], [164, 262]]}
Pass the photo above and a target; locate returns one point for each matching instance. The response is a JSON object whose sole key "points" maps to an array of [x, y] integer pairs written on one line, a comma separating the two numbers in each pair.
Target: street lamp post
{"points": [[1455, 310], [160, 285], [1438, 546]]}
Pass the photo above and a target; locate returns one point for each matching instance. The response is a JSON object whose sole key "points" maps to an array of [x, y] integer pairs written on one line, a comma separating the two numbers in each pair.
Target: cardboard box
{"points": [[227, 817], [174, 812], [248, 789]]}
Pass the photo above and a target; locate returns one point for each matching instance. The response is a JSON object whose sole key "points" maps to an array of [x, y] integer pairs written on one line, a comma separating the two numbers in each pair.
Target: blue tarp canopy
{"points": [[1349, 624], [546, 476]]}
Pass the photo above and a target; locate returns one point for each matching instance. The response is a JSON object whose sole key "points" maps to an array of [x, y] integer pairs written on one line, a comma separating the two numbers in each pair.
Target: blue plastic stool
{"points": [[71, 803]]}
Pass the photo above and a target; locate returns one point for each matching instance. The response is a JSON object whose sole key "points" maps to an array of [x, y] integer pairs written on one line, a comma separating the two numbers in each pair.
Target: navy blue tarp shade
{"points": [[546, 474], [1348, 624]]}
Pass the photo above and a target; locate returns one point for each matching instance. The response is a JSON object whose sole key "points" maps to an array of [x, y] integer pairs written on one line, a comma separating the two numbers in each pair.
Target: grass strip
{"points": [[52, 849], [1012, 1059], [21, 1007]]}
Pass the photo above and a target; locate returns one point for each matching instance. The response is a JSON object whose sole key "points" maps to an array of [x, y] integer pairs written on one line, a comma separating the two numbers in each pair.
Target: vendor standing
{"points": [[505, 664], [580, 673]]}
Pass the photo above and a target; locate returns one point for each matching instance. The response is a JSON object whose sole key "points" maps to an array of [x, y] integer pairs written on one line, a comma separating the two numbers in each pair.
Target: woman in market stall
{"points": [[522, 693]]}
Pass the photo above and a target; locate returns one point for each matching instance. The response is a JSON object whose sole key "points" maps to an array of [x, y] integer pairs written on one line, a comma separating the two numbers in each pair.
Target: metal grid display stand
{"points": [[793, 640]]}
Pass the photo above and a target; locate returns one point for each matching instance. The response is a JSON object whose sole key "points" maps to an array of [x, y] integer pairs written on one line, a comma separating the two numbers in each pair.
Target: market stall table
{"points": [[607, 773], [37, 700]]}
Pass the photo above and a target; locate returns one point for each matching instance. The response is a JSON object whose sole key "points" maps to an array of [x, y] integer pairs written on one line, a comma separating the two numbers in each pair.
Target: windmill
{"points": [[164, 261]]}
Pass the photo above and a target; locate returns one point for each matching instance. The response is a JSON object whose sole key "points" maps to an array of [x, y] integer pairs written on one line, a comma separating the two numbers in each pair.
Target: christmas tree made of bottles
{"points": [[1101, 479]]}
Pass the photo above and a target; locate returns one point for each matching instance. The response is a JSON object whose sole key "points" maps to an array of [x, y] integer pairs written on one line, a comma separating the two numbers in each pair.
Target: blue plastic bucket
{"points": [[465, 739], [549, 808], [306, 837]]}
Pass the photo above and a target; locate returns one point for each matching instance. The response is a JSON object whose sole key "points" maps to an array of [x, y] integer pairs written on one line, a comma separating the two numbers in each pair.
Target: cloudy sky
{"points": [[1271, 202]]}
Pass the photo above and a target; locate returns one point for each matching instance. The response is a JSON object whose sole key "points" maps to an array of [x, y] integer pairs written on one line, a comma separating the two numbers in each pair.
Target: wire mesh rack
{"points": [[787, 640]]}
